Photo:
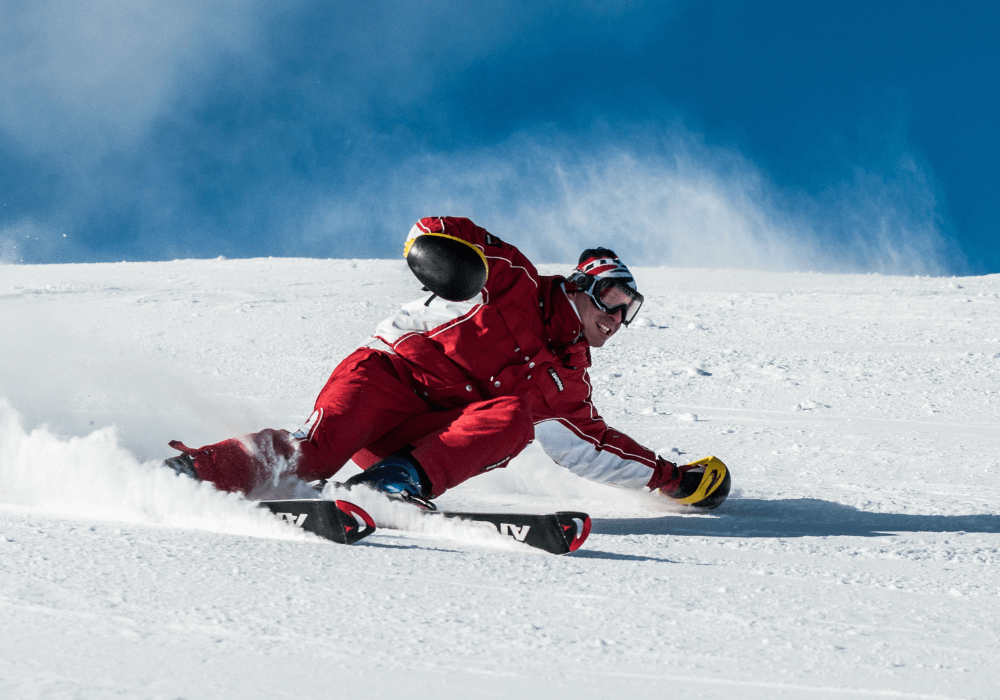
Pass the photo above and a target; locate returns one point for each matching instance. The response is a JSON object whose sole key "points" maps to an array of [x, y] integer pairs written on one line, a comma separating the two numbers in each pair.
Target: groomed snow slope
{"points": [[857, 556]]}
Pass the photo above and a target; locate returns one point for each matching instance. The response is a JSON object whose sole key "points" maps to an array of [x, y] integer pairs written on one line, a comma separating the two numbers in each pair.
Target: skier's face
{"points": [[598, 325]]}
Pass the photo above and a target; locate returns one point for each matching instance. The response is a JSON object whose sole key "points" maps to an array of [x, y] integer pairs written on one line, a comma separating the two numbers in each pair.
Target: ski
{"points": [[338, 521], [561, 532], [557, 533]]}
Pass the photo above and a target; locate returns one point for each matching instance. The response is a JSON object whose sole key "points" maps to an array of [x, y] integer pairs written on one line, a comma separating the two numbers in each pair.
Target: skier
{"points": [[457, 383]]}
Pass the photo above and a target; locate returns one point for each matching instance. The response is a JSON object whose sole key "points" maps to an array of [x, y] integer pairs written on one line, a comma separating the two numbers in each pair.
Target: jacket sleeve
{"points": [[581, 441], [453, 227]]}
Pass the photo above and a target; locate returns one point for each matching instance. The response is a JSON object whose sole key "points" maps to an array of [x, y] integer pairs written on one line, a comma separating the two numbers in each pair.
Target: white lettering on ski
{"points": [[518, 533], [296, 520]]}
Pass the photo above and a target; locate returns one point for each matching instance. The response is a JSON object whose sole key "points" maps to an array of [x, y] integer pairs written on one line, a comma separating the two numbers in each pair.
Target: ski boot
{"points": [[399, 478], [182, 464], [703, 484]]}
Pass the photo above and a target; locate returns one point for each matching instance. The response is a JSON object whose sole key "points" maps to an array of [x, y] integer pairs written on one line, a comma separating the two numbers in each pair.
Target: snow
{"points": [[857, 556]]}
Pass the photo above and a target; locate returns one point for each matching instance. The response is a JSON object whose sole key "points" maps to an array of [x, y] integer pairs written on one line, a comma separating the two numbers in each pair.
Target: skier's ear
{"points": [[453, 269]]}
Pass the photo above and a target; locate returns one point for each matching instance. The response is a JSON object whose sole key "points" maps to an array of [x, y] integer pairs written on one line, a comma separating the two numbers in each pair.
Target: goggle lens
{"points": [[612, 297]]}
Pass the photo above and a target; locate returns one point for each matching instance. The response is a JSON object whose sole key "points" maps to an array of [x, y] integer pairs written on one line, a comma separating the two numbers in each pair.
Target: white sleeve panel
{"points": [[580, 455], [419, 316]]}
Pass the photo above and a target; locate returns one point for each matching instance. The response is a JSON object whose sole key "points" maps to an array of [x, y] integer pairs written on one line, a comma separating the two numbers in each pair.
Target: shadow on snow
{"points": [[799, 517]]}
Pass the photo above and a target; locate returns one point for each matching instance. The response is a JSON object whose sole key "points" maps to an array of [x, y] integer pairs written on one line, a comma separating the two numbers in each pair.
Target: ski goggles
{"points": [[611, 295]]}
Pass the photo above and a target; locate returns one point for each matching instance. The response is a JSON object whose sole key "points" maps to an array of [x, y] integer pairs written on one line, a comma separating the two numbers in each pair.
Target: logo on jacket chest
{"points": [[556, 379]]}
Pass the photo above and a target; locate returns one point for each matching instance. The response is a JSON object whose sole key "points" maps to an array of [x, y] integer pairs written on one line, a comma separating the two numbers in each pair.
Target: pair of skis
{"points": [[346, 523]]}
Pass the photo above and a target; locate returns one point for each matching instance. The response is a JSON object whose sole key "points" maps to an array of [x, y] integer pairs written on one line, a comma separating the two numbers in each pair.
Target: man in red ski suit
{"points": [[447, 389]]}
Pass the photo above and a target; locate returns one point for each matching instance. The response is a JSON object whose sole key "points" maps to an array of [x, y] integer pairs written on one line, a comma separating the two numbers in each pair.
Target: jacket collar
{"points": [[563, 328]]}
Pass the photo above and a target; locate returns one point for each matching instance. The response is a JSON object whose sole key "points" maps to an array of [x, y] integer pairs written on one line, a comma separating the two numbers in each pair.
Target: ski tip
{"points": [[576, 528], [356, 521], [338, 521]]}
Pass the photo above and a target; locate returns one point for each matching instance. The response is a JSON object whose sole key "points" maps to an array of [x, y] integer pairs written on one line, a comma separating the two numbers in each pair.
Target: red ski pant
{"points": [[368, 410]]}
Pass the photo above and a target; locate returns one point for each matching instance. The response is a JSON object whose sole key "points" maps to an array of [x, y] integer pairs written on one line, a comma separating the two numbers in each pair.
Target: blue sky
{"points": [[835, 136]]}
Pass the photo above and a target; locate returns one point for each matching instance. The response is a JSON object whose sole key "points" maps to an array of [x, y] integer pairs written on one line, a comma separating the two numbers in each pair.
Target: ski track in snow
{"points": [[856, 558]]}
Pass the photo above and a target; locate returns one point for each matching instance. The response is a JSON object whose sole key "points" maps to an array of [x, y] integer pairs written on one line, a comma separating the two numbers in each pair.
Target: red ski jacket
{"points": [[521, 336]]}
